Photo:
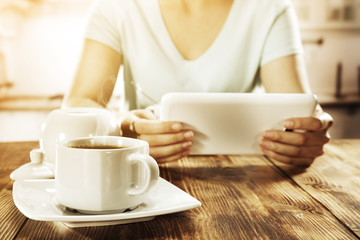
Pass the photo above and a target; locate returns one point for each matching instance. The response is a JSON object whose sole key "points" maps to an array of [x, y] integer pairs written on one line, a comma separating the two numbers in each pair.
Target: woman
{"points": [[197, 46]]}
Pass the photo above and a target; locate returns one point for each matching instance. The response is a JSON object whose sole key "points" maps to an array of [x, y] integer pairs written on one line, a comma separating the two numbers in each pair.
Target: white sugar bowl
{"points": [[61, 125]]}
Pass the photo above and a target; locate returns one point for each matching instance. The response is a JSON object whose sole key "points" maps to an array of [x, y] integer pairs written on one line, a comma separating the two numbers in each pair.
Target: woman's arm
{"points": [[96, 76], [288, 75], [285, 75]]}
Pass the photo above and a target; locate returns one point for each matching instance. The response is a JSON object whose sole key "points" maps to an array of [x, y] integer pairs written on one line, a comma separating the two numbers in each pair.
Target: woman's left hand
{"points": [[299, 148]]}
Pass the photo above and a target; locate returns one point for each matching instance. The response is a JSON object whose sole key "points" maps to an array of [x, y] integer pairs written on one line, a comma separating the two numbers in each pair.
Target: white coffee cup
{"points": [[98, 181]]}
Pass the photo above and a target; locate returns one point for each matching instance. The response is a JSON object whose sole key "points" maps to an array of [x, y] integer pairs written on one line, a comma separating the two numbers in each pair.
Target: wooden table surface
{"points": [[243, 197]]}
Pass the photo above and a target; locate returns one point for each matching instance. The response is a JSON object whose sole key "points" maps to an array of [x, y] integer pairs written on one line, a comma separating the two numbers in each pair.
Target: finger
{"points": [[173, 157], [296, 138], [296, 161], [309, 123], [166, 139], [169, 150], [143, 126], [292, 150]]}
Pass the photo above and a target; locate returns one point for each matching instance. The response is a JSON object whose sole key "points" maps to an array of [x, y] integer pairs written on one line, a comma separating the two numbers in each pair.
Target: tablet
{"points": [[232, 123]]}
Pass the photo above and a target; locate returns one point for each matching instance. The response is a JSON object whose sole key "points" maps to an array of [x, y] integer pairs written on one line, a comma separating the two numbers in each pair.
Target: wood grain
{"points": [[12, 155], [243, 197], [334, 181]]}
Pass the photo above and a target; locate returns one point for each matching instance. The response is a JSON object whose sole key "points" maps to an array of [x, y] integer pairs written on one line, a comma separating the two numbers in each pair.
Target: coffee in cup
{"points": [[104, 174], [97, 147]]}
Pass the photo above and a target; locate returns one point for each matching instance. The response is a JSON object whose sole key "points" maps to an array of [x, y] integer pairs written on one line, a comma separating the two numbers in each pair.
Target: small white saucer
{"points": [[36, 200]]}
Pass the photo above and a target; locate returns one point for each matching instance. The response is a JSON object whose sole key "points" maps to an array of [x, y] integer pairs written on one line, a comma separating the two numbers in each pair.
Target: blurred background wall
{"points": [[41, 40], [331, 37]]}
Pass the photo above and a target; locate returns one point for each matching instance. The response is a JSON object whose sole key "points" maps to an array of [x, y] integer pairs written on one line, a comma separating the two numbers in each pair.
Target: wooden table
{"points": [[243, 197]]}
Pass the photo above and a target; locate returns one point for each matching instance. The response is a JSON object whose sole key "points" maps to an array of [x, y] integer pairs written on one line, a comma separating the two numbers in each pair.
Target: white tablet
{"points": [[232, 123]]}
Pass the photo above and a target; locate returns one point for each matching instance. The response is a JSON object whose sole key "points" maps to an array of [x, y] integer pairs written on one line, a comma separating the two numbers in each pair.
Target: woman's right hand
{"points": [[167, 140]]}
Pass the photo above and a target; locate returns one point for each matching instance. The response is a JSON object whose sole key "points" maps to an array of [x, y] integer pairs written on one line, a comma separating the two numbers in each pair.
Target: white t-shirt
{"points": [[255, 33]]}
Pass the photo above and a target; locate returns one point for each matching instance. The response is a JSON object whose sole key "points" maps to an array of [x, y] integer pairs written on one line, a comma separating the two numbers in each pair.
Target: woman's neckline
{"points": [[212, 47]]}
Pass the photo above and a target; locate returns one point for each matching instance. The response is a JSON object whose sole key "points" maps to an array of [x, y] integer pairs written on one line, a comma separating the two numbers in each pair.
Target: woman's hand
{"points": [[167, 140], [295, 147]]}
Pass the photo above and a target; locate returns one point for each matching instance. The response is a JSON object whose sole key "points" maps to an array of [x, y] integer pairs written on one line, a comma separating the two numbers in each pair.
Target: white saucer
{"points": [[36, 200]]}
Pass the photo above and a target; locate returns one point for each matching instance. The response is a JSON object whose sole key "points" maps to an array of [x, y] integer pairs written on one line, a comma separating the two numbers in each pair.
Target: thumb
{"points": [[325, 118], [145, 114], [128, 122]]}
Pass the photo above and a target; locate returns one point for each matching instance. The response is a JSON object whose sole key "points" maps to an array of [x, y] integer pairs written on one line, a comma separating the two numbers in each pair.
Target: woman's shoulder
{"points": [[116, 8], [125, 3], [270, 4], [115, 4], [264, 7]]}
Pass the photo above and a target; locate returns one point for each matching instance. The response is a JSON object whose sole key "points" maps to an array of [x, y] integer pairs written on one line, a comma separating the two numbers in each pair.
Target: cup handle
{"points": [[152, 170]]}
